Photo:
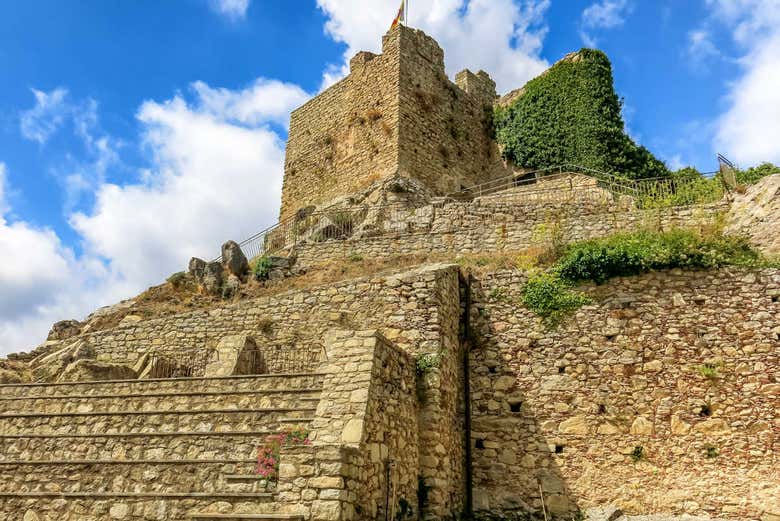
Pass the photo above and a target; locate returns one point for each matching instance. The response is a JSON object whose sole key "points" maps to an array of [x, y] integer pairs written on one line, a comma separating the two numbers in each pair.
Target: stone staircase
{"points": [[178, 449]]}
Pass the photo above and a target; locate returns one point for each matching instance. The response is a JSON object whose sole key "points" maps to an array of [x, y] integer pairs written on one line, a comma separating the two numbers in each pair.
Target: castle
{"points": [[425, 391]]}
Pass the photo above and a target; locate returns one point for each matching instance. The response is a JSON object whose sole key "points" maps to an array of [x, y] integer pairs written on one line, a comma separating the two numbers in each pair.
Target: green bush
{"points": [[427, 362], [755, 174], [551, 298], [641, 252], [262, 268], [572, 115]]}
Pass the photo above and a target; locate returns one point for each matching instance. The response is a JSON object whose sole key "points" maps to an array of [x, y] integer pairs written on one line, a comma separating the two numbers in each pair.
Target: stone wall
{"points": [[511, 222], [381, 120], [662, 396], [369, 411], [445, 132]]}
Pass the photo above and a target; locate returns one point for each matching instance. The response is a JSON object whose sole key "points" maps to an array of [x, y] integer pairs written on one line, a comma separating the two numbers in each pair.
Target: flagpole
{"points": [[406, 13]]}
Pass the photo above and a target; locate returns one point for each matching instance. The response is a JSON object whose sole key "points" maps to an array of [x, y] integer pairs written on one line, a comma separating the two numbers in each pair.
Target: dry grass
{"points": [[165, 299]]}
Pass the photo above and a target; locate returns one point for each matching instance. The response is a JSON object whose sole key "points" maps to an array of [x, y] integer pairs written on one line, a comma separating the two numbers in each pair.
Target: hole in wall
{"points": [[602, 409], [561, 369], [776, 299], [705, 411], [479, 443], [492, 369], [515, 406], [610, 338], [558, 449]]}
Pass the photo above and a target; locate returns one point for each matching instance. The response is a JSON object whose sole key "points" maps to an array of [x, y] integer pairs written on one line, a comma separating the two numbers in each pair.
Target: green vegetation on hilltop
{"points": [[572, 115]]}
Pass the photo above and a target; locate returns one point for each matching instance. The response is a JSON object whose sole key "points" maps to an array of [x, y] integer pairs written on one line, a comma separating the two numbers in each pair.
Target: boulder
{"points": [[196, 268], [64, 330], [231, 287], [238, 354], [212, 278], [234, 260], [94, 371]]}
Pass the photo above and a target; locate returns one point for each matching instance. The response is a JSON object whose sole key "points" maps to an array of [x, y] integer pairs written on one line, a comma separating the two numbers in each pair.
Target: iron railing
{"points": [[278, 360], [190, 363]]}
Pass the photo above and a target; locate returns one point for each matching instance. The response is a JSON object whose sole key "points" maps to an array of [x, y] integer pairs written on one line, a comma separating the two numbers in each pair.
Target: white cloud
{"points": [[503, 37], [41, 281], [265, 101], [210, 180], [747, 130], [46, 117], [232, 9], [606, 14], [215, 173]]}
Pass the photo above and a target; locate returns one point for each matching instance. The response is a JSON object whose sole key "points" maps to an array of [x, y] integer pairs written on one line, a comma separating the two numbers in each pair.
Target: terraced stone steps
{"points": [[74, 403], [224, 383], [129, 507], [99, 422], [133, 445], [145, 449], [114, 476]]}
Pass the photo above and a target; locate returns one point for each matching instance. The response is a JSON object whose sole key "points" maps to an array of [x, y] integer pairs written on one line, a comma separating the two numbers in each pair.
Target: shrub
{"points": [[640, 252], [755, 174], [497, 294], [268, 454], [709, 371], [262, 268], [355, 257], [551, 298], [638, 453]]}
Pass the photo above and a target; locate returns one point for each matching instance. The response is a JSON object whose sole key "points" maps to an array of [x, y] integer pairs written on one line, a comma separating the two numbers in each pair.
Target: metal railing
{"points": [[558, 183], [182, 364]]}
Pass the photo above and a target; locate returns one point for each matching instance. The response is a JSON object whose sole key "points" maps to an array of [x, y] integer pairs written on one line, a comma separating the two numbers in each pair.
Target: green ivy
{"points": [[572, 115]]}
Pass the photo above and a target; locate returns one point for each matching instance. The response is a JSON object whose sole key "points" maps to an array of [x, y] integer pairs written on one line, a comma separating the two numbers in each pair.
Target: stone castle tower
{"points": [[395, 114]]}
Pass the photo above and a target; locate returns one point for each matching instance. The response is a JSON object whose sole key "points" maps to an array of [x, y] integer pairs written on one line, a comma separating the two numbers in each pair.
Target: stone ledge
{"points": [[160, 412], [158, 395]]}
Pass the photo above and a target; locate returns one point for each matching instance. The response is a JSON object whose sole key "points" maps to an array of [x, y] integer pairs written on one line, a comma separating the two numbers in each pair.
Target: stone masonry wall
{"points": [[369, 405], [445, 132], [615, 406], [395, 113], [494, 224], [346, 137]]}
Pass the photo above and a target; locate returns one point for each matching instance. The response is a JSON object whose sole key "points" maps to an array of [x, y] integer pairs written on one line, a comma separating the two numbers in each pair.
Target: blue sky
{"points": [[134, 135]]}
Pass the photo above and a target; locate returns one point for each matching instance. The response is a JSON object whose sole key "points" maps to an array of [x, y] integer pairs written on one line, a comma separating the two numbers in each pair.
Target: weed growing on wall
{"points": [[427, 362], [551, 298], [572, 115], [709, 371], [638, 454]]}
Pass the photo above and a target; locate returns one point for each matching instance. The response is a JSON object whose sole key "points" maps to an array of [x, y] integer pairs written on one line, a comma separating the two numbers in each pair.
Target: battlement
{"points": [[395, 114]]}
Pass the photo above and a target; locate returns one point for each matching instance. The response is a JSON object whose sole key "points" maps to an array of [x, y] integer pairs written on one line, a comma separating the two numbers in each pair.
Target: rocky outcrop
{"points": [[64, 330], [94, 371], [50, 367], [756, 214]]}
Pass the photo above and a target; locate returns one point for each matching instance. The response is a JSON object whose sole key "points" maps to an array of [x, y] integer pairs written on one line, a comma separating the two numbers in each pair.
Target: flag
{"points": [[400, 15]]}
